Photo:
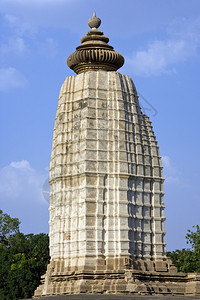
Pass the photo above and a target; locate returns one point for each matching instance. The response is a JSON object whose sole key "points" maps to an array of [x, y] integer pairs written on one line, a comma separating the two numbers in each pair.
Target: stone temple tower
{"points": [[107, 223]]}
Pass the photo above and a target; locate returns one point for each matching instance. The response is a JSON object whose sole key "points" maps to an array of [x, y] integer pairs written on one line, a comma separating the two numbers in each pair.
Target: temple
{"points": [[107, 222]]}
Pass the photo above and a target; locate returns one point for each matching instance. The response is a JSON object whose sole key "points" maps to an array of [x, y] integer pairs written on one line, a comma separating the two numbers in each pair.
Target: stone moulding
{"points": [[133, 279], [95, 59]]}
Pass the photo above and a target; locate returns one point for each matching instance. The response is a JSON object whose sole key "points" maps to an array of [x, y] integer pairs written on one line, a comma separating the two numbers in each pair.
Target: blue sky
{"points": [[160, 41]]}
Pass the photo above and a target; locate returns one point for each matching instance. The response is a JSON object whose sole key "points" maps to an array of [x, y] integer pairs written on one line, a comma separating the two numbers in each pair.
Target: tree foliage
{"points": [[8, 226], [23, 259], [188, 260]]}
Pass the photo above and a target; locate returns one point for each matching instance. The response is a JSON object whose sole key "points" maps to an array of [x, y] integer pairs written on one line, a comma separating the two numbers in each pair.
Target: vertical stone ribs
{"points": [[145, 182], [105, 175]]}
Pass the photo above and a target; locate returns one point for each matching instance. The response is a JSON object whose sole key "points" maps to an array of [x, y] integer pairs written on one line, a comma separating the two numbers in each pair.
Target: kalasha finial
{"points": [[94, 22], [94, 53]]}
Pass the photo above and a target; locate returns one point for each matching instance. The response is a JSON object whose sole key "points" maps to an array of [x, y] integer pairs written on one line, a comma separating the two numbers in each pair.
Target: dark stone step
{"points": [[115, 297]]}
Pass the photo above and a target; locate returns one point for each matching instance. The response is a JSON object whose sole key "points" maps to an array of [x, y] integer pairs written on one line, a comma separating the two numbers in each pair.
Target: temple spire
{"points": [[95, 53]]}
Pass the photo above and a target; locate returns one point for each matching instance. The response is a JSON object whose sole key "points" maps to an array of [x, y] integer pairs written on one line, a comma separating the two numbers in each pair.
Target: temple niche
{"points": [[107, 222]]}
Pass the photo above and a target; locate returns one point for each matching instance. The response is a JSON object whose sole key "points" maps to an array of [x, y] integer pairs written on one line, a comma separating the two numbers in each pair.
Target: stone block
{"points": [[161, 266]]}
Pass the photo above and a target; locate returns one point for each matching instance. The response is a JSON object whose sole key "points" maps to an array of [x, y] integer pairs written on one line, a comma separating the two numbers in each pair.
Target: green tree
{"points": [[23, 259], [8, 226], [193, 238], [188, 260]]}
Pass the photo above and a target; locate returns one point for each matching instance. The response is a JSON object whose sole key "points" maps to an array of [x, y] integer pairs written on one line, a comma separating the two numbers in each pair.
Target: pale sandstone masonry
{"points": [[107, 231], [105, 174]]}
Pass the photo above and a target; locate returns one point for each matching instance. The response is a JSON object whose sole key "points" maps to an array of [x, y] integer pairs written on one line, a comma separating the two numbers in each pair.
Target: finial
{"points": [[94, 22], [94, 53]]}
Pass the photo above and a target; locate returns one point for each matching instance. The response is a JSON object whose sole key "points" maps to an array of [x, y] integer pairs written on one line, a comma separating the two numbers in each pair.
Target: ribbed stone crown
{"points": [[94, 53]]}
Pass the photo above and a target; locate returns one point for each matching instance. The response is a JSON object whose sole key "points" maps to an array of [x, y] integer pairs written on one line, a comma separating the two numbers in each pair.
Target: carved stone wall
{"points": [[105, 174], [107, 219]]}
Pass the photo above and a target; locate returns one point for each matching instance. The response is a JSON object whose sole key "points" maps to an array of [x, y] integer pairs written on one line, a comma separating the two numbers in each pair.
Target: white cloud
{"points": [[24, 36], [14, 45], [11, 78], [26, 17], [10, 19], [21, 195], [171, 174], [183, 28], [19, 181], [23, 164], [20, 26], [162, 56], [158, 59]]}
